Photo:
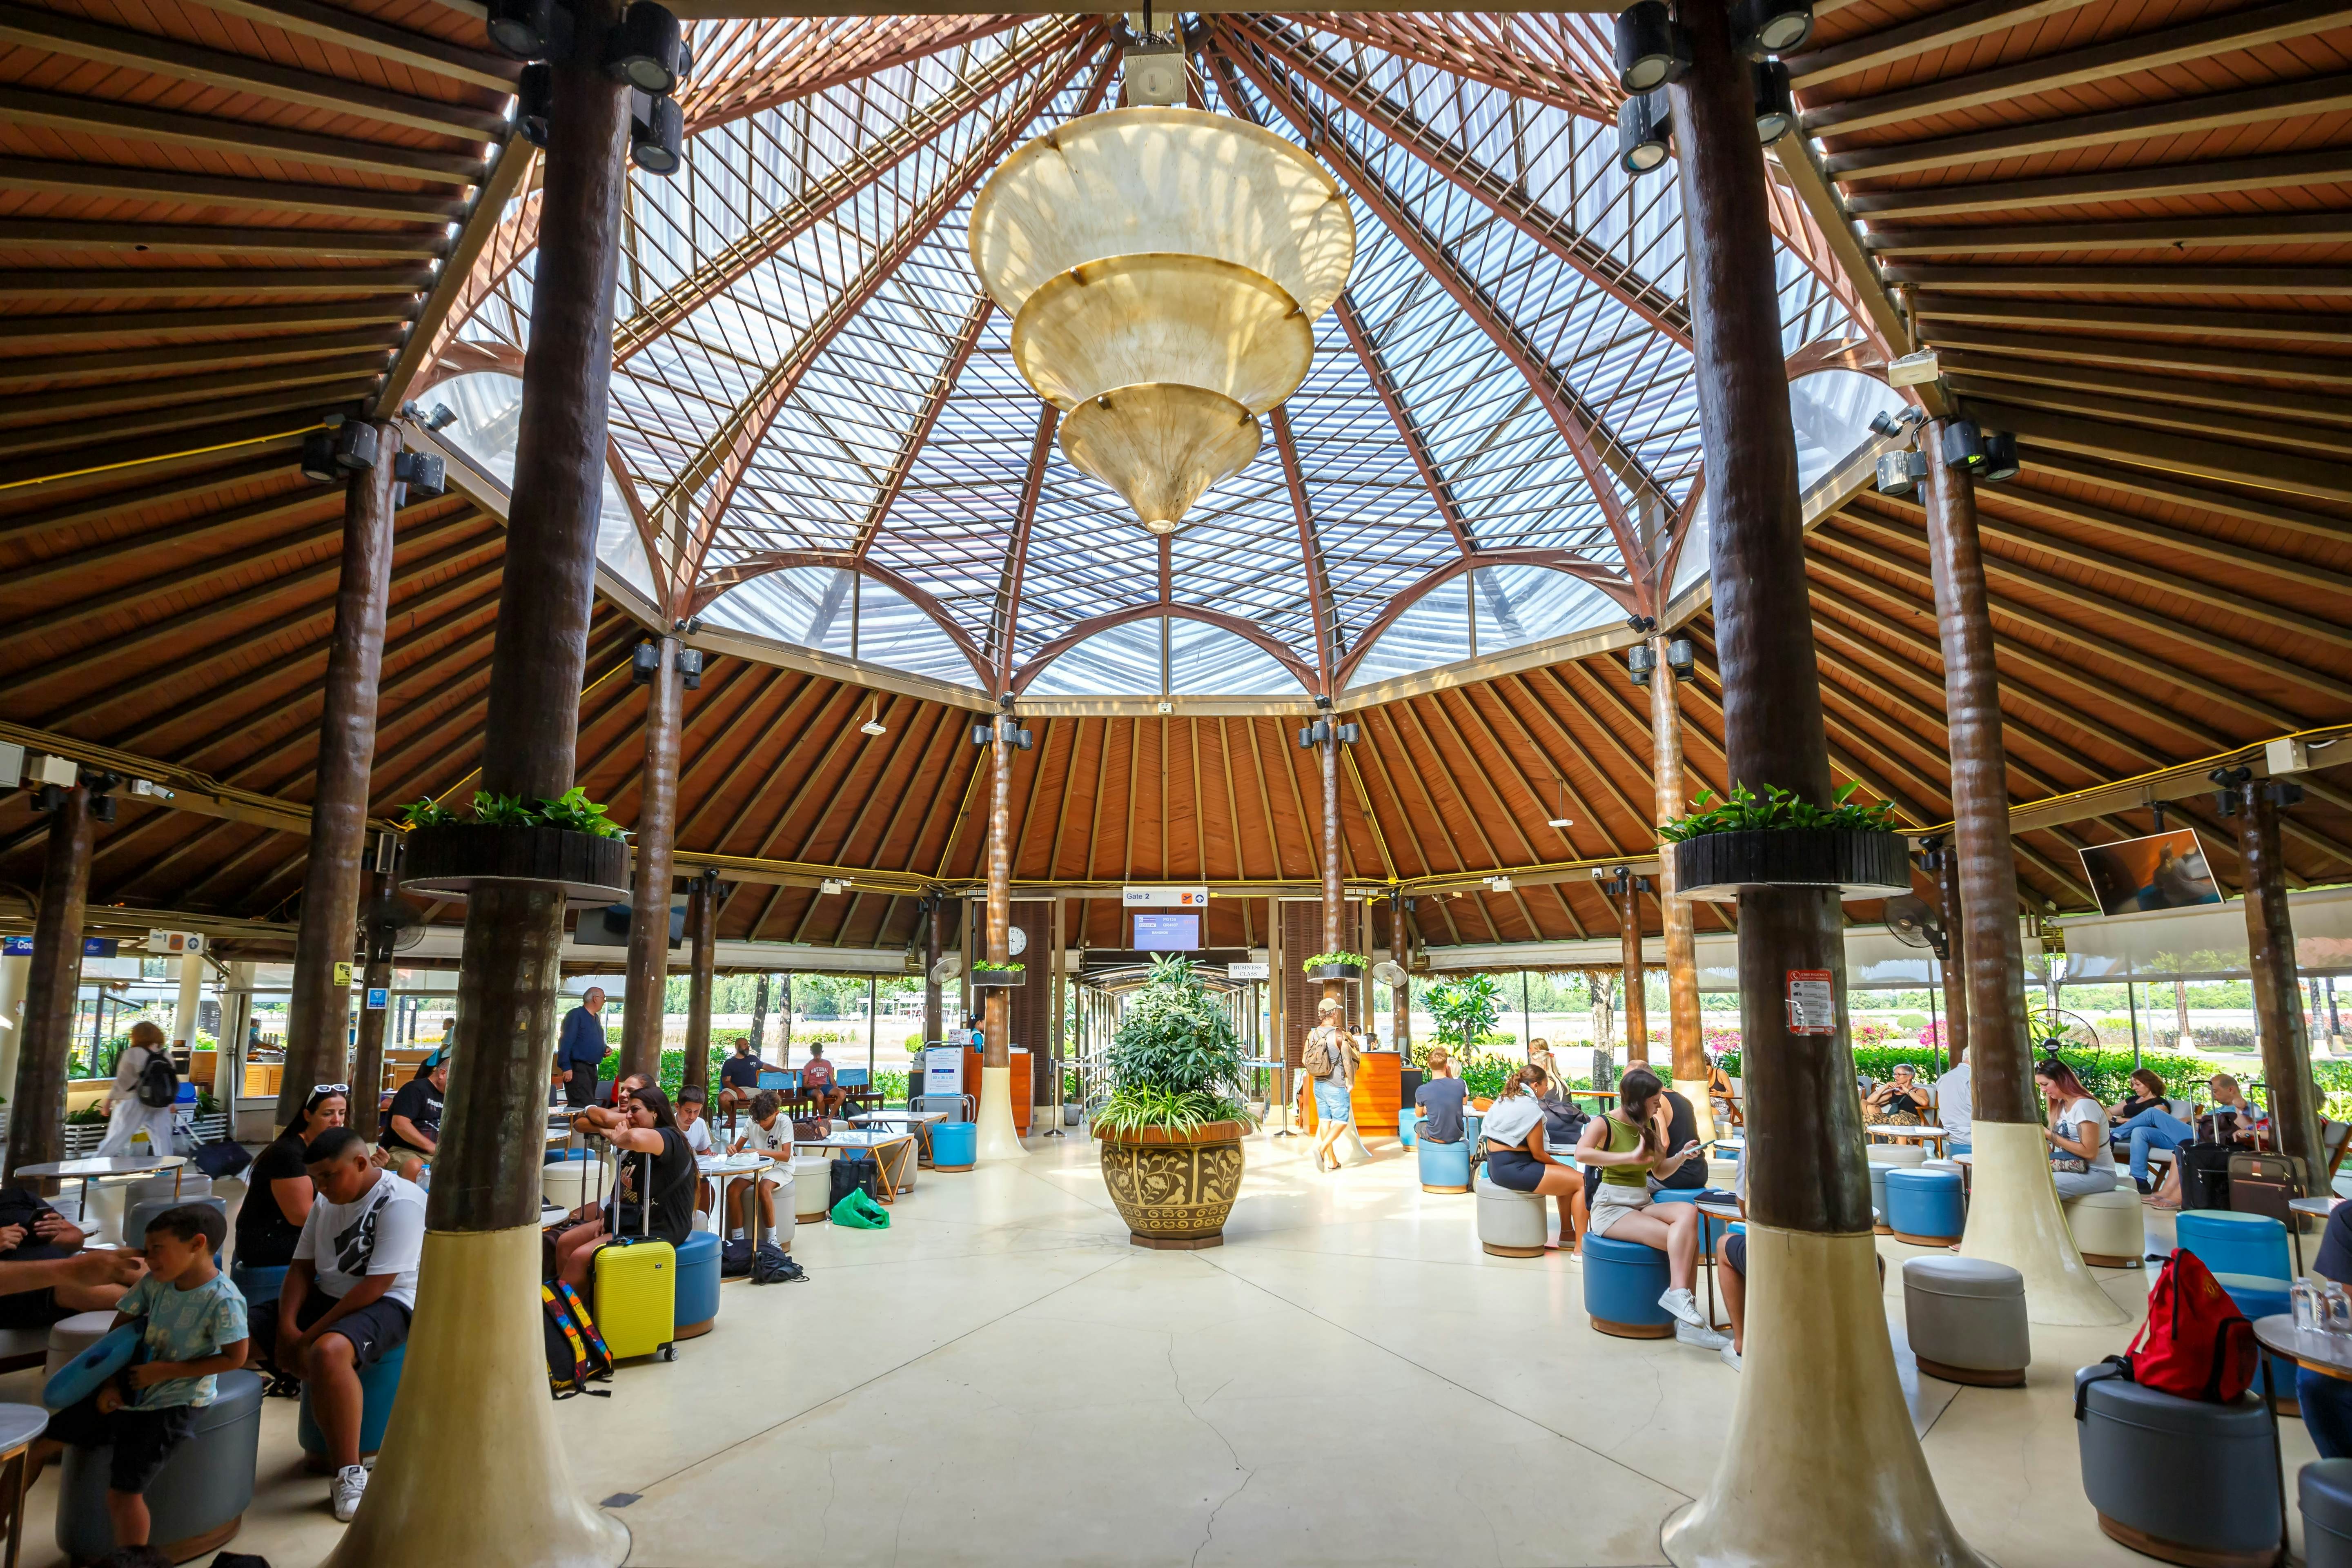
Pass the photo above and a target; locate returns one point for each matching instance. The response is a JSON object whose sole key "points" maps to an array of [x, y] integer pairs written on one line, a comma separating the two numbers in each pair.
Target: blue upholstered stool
{"points": [[2229, 1243], [1879, 1194], [955, 1145], [1623, 1283], [2182, 1480], [378, 1384], [697, 1285], [1922, 1207], [142, 1214], [1405, 1129], [2259, 1298], [2325, 1489], [197, 1500], [1445, 1167]]}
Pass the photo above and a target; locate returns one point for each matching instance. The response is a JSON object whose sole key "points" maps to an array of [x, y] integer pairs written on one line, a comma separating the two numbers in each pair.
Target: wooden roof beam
{"points": [[2113, 58], [362, 35], [2271, 325], [2170, 453], [1926, 35], [1310, 552], [272, 319], [2157, 488], [250, 430], [53, 234], [346, 368], [2307, 280], [2138, 183], [943, 386], [150, 283], [2166, 234], [297, 408], [2270, 427], [175, 187], [250, 352], [2197, 359], [483, 221], [2172, 117], [98, 116]]}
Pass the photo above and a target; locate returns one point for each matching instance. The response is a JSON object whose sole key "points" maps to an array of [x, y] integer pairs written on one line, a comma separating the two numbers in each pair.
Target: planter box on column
{"points": [[1858, 863], [1337, 972], [998, 979], [456, 859]]}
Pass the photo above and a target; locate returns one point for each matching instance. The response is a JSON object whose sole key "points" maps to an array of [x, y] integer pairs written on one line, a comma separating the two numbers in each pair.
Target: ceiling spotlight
{"points": [[1913, 369], [1963, 445], [1899, 473], [1646, 128], [1776, 107], [534, 99], [2000, 457], [1760, 29], [1562, 822], [1681, 657], [1651, 51], [644, 49], [317, 461], [530, 29], [421, 472], [657, 133], [443, 417], [1560, 817], [873, 725], [1639, 661]]}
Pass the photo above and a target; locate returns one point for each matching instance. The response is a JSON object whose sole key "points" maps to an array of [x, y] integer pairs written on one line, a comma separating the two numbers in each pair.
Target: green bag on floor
{"points": [[859, 1212]]}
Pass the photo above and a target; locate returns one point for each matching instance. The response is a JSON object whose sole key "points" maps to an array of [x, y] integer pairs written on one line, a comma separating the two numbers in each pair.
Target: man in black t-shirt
{"points": [[412, 1128], [45, 1275], [1682, 1127]]}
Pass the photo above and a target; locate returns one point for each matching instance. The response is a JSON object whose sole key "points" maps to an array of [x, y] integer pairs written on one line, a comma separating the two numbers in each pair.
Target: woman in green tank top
{"points": [[1628, 1146]]}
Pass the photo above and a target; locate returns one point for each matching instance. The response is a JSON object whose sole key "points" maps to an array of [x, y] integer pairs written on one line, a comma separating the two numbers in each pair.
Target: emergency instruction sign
{"points": [[1813, 1002]]}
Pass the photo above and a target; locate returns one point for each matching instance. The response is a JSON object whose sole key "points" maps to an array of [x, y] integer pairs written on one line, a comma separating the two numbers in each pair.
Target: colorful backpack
{"points": [[576, 1355]]}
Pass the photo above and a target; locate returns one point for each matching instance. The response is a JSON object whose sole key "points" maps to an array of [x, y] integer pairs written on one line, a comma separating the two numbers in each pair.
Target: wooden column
{"points": [[2014, 1217], [1955, 962], [702, 925], [1820, 1393], [1637, 1000], [473, 1455], [934, 916], [36, 1107], [642, 1005], [997, 1011], [1686, 1035], [1335, 903], [2269, 948], [318, 1041], [367, 1061]]}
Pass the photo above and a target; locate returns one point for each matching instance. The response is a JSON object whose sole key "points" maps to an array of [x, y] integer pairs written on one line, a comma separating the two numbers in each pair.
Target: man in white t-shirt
{"points": [[349, 1293], [1956, 1108], [769, 1132]]}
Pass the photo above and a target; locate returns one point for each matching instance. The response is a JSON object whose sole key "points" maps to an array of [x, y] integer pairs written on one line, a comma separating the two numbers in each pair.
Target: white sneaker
{"points": [[351, 1485], [1706, 1339], [1728, 1356], [1683, 1305]]}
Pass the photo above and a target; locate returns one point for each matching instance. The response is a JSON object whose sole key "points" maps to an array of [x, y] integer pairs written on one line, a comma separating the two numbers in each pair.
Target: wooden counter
{"points": [[1376, 1095], [1019, 1086]]}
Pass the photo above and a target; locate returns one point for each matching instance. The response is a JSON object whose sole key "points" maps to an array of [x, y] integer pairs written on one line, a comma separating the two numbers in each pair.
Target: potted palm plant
{"points": [[1170, 1132], [1778, 840]]}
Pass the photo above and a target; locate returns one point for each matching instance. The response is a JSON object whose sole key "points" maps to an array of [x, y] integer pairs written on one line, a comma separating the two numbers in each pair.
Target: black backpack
{"points": [[770, 1266], [735, 1257], [159, 1082], [576, 1353], [855, 1174]]}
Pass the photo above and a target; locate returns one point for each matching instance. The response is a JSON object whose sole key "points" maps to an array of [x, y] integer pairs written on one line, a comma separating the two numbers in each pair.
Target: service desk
{"points": [[1378, 1093], [1020, 1085]]}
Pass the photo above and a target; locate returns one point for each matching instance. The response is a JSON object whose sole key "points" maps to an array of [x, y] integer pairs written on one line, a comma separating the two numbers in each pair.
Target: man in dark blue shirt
{"points": [[581, 1050]]}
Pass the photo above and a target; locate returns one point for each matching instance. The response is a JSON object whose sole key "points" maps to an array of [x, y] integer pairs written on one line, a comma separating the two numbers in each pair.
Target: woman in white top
{"points": [[2080, 1160], [127, 1113]]}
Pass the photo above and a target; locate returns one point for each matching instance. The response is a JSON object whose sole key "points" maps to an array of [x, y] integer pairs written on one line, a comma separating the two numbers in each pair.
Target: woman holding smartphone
{"points": [[1628, 1145]]}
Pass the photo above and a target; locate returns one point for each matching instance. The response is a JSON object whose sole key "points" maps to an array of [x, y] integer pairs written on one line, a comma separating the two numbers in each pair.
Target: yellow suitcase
{"points": [[635, 1290]]}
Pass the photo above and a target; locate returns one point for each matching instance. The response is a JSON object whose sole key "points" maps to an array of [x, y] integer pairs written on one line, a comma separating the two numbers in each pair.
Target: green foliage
{"points": [[575, 813], [2210, 1037], [503, 810], [427, 813], [1777, 808], [1174, 1060], [1309, 966], [1466, 1009], [1911, 1021], [87, 1116], [983, 966], [1484, 1075]]}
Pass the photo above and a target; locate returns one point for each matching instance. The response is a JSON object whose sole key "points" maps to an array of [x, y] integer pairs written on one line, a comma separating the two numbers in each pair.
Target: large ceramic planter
{"points": [[466, 855], [1859, 864], [1174, 1189]]}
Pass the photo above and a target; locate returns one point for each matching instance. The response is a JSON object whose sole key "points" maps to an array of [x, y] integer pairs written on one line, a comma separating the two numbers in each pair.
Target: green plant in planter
{"points": [[427, 813], [503, 810], [1310, 965], [1746, 812], [983, 966], [1174, 1062], [1465, 1009], [574, 813]]}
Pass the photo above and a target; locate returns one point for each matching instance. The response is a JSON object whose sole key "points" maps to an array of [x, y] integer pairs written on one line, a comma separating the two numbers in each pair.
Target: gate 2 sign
{"points": [[1164, 897]]}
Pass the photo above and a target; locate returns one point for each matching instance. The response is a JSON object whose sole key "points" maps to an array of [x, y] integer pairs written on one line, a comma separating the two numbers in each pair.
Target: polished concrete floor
{"points": [[1001, 1378]]}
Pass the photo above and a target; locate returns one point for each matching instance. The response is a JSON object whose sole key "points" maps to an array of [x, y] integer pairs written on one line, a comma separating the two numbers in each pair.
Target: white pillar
{"points": [[192, 999], [13, 972]]}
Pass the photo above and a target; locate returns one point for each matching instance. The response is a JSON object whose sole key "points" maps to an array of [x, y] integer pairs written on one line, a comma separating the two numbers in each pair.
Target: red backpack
{"points": [[2195, 1343]]}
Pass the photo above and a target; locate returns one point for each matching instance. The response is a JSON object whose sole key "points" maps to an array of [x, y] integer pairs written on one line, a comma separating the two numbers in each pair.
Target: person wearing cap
{"points": [[412, 1128]]}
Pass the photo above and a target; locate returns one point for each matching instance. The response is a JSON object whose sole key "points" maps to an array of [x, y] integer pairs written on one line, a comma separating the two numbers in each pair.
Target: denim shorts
{"points": [[1332, 1100]]}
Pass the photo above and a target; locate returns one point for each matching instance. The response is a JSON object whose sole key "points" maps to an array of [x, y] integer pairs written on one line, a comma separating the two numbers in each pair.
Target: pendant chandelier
{"points": [[1164, 269]]}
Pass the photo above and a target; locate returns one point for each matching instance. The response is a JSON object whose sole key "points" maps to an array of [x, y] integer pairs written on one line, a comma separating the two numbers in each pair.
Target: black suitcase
{"points": [[2204, 1176], [854, 1173]]}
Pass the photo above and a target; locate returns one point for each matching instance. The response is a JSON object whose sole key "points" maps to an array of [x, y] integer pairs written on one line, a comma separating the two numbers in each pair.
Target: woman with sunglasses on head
{"points": [[279, 1196]]}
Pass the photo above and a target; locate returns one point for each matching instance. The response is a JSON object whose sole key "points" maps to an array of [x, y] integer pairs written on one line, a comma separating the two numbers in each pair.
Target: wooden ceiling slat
{"points": [[2278, 325], [169, 431], [2257, 432], [176, 189], [2310, 281], [1937, 31], [142, 282], [2188, 393], [376, 343], [2173, 453], [343, 369], [100, 118], [50, 236], [275, 321], [364, 34], [2168, 233], [2201, 359], [2138, 183]]}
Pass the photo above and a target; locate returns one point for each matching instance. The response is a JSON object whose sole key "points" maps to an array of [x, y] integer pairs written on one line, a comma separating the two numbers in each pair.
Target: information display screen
{"points": [[1167, 933]]}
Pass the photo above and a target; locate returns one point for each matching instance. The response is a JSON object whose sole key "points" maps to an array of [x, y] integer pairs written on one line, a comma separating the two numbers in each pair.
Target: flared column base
{"points": [[472, 1468], [1822, 1467], [999, 1138], [2015, 1217]]}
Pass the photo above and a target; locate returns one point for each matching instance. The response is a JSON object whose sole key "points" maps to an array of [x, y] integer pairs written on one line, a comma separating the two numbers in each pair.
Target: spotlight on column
{"points": [[318, 464], [657, 133], [1963, 445], [530, 29], [689, 668], [1762, 29], [424, 474], [1681, 657], [534, 97], [2000, 457], [644, 663], [1776, 107], [644, 49], [1645, 129], [1640, 661], [1899, 473], [1651, 51], [443, 417], [1907, 417]]}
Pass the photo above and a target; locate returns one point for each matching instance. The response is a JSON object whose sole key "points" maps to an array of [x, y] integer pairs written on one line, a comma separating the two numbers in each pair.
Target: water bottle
{"points": [[2304, 1297], [2339, 1310]]}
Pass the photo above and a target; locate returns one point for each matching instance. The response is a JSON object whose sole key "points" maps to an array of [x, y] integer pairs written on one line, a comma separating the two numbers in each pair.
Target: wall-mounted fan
{"points": [[1388, 971], [949, 967], [1915, 923]]}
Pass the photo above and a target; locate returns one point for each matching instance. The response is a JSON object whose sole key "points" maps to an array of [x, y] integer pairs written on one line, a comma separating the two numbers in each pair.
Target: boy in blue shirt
{"points": [[192, 1328]]}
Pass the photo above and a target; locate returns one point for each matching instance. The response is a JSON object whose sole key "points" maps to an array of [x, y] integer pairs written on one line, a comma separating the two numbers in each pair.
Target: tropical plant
{"points": [[503, 810], [427, 813], [983, 966], [572, 811], [575, 813], [1745, 811], [1175, 1061], [1465, 1008], [1309, 966]]}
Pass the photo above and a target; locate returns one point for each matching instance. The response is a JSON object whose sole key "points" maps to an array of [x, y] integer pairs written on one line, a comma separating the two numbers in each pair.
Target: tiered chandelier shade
{"points": [[1163, 268]]}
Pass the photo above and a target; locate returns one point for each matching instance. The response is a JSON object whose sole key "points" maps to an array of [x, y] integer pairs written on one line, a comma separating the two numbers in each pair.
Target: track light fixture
{"points": [[1681, 657], [986, 734], [645, 662], [1645, 129], [1899, 473], [647, 50], [1651, 51], [1910, 416], [2000, 457], [1641, 659], [657, 133], [1324, 730], [874, 725], [534, 99], [331, 455], [530, 29], [1776, 105], [421, 473], [1963, 445], [689, 667], [1762, 28]]}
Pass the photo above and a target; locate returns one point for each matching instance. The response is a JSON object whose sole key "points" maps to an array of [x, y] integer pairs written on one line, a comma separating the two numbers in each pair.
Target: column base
{"points": [[2014, 1218], [472, 1468], [998, 1138], [1694, 1091], [1819, 1397]]}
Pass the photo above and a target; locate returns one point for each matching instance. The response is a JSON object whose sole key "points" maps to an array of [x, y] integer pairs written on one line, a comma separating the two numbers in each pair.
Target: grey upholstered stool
{"points": [[2179, 1478], [1966, 1320], [69, 1337], [2326, 1488], [1878, 1168], [1510, 1222], [142, 1213], [197, 1500]]}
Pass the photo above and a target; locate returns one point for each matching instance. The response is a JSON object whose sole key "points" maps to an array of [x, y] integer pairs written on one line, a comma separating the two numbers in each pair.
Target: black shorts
{"points": [[376, 1331], [1514, 1168], [32, 1309], [141, 1440], [1733, 1249]]}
